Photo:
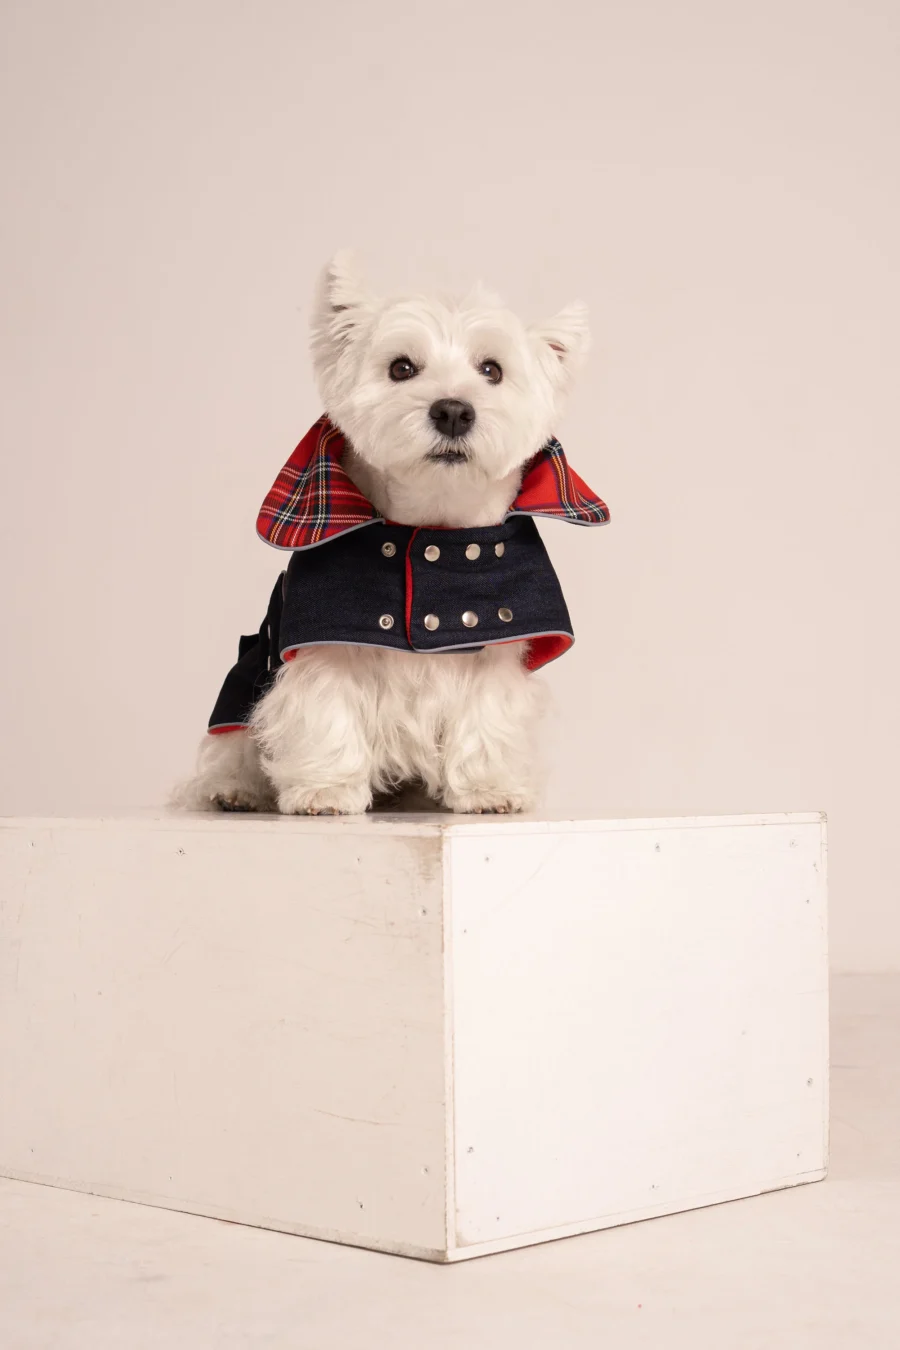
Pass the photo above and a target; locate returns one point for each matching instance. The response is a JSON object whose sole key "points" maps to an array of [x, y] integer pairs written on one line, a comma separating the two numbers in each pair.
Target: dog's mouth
{"points": [[448, 452]]}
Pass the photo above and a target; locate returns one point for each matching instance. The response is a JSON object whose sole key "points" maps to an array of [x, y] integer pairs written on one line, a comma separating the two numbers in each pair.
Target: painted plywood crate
{"points": [[431, 1035]]}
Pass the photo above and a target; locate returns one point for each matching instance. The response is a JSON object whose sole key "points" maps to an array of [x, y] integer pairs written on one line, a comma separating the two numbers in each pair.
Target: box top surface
{"points": [[378, 823]]}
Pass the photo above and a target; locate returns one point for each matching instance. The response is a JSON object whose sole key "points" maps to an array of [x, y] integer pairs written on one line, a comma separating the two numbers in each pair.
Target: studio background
{"points": [[720, 183]]}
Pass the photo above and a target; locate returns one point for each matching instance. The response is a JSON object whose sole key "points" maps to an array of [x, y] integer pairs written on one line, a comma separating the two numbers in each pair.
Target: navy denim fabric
{"points": [[255, 669], [344, 591]]}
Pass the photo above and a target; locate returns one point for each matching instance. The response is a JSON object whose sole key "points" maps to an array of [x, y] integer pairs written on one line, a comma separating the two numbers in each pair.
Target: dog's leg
{"points": [[316, 731], [488, 762], [229, 777]]}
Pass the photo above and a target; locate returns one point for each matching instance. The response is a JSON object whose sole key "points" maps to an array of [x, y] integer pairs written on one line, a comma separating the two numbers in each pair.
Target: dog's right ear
{"points": [[342, 301], [568, 336]]}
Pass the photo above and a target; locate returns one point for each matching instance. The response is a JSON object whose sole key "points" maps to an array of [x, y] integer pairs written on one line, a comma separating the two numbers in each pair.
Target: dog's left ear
{"points": [[342, 301], [342, 284], [568, 337]]}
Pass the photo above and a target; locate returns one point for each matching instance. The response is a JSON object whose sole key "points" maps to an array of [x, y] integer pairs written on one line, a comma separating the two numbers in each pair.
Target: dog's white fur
{"points": [[343, 723]]}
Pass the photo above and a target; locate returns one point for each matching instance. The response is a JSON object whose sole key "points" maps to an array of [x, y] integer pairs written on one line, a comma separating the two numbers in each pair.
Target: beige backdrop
{"points": [[718, 180]]}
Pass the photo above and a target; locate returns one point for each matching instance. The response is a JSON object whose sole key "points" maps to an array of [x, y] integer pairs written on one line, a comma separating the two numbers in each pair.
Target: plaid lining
{"points": [[551, 488], [313, 499]]}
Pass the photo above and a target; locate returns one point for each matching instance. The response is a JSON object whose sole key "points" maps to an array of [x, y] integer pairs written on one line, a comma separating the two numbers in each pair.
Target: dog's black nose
{"points": [[452, 417]]}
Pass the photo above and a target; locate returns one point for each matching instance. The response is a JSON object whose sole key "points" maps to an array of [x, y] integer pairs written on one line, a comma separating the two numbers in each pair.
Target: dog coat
{"points": [[359, 580]]}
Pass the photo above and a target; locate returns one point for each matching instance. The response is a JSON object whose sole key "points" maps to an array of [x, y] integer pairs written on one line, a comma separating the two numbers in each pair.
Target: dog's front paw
{"points": [[237, 799], [343, 801], [487, 801]]}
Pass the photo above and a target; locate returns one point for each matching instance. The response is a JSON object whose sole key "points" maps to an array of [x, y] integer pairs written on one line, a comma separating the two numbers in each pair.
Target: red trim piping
{"points": [[409, 585]]}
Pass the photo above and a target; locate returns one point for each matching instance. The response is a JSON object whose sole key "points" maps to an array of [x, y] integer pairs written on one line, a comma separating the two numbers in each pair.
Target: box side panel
{"points": [[242, 1024], [640, 1023]]}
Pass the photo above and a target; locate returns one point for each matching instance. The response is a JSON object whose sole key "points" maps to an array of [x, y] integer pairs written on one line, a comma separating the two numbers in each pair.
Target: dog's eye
{"points": [[491, 372], [402, 369]]}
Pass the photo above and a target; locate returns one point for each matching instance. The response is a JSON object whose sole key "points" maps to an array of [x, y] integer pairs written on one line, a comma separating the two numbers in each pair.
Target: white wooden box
{"points": [[432, 1035]]}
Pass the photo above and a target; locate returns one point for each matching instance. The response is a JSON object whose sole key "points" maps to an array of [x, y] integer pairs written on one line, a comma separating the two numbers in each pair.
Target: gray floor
{"points": [[816, 1267]]}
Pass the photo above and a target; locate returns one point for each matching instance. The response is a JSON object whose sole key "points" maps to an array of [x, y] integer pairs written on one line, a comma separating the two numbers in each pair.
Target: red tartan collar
{"points": [[313, 499]]}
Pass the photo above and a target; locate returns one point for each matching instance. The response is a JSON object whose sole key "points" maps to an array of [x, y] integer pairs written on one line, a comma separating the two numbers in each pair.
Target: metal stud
{"points": [[473, 551], [389, 549], [470, 619], [499, 549], [505, 615], [431, 622], [386, 621], [432, 553]]}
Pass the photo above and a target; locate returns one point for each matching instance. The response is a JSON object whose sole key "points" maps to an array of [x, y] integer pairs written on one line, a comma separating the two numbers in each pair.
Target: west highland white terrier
{"points": [[400, 643]]}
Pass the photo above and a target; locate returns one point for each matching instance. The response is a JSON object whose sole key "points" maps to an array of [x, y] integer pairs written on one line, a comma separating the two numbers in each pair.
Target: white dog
{"points": [[438, 410]]}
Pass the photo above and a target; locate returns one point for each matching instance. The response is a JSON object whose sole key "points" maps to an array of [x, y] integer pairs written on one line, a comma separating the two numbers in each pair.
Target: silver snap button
{"points": [[505, 615], [431, 622], [473, 551], [470, 619], [386, 621], [389, 549], [432, 553], [499, 549]]}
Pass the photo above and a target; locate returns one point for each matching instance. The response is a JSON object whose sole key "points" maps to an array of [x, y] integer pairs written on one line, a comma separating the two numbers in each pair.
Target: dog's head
{"points": [[436, 386]]}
